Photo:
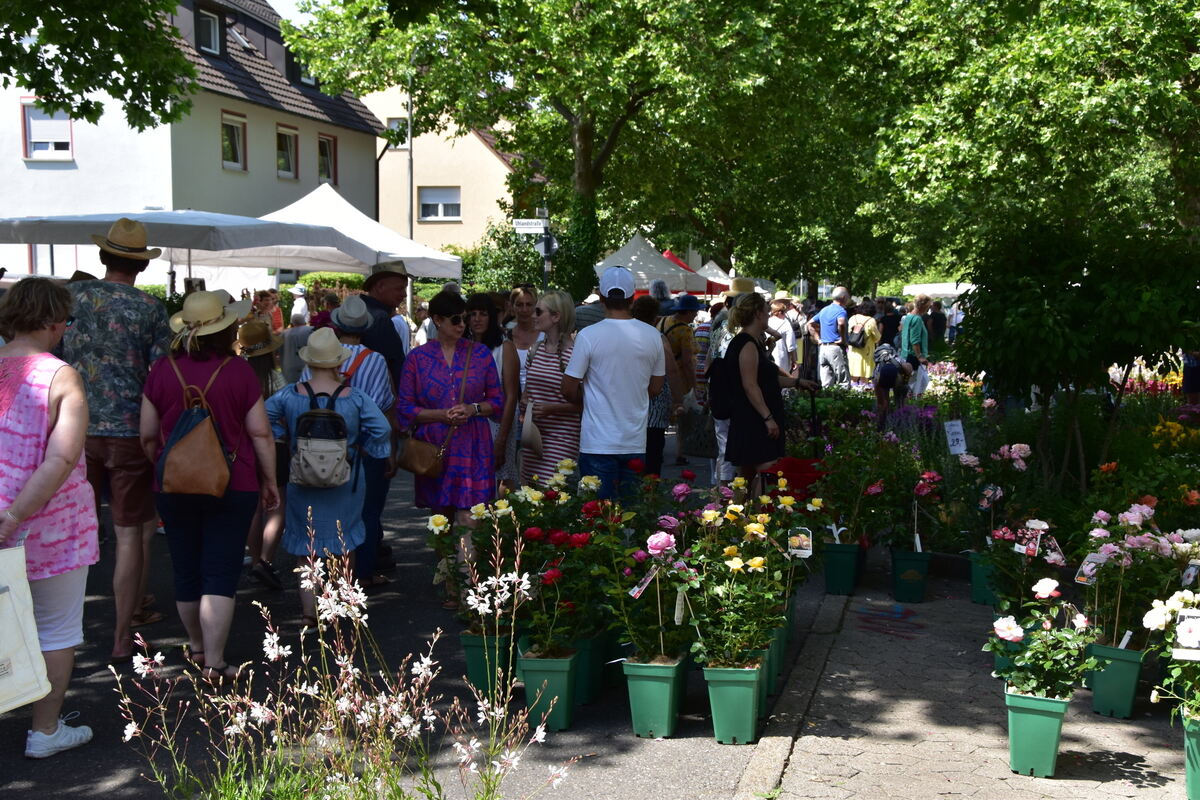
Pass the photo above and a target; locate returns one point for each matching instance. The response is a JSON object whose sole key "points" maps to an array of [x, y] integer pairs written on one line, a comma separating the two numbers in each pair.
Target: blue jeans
{"points": [[616, 478]]}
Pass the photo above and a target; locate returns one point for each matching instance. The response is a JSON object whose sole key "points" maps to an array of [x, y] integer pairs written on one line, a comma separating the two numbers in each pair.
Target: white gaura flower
{"points": [[272, 649], [557, 774], [423, 668], [539, 735], [311, 574], [131, 730]]}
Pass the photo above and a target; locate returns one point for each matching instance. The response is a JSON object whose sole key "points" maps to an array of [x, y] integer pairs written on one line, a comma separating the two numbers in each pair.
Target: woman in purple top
{"points": [[428, 398]]}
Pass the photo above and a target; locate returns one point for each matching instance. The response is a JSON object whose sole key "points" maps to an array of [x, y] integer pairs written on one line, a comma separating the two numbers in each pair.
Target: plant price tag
{"points": [[1028, 542], [1189, 574], [637, 591], [680, 604], [956, 440], [800, 543], [1086, 574], [1187, 635]]}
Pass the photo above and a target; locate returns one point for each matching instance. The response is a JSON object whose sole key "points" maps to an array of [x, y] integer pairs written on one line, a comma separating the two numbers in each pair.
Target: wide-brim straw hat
{"points": [[255, 339], [323, 349], [205, 312], [740, 286], [127, 238]]}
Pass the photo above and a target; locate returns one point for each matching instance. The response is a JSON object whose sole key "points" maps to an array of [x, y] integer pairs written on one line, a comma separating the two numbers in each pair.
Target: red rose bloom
{"points": [[551, 576], [580, 539], [636, 465], [874, 488], [591, 508], [688, 475], [534, 535], [550, 494], [558, 538]]}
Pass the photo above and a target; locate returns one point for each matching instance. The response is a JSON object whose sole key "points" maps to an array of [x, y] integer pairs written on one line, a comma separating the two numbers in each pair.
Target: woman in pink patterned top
{"points": [[45, 498]]}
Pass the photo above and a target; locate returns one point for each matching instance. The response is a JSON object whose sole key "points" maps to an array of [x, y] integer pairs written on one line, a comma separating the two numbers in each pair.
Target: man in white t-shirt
{"points": [[300, 303], [617, 365]]}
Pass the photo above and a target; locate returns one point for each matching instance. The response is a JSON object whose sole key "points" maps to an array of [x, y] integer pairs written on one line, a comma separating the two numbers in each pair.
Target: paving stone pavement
{"points": [[906, 708]]}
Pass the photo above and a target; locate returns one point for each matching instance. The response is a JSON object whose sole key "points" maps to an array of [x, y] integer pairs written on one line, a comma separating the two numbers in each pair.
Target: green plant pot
{"points": [[545, 680], [484, 654], [733, 697], [524, 642], [1191, 751], [841, 568], [981, 580], [1034, 728], [1114, 686], [589, 669], [764, 680], [909, 573], [654, 697], [781, 651]]}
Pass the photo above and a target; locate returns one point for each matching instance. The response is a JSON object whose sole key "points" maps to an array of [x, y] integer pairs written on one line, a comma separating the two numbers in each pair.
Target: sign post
{"points": [[547, 245]]}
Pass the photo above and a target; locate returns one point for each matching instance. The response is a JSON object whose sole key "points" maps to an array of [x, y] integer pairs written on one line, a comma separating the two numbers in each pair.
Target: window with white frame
{"points": [[233, 141], [208, 32], [440, 203], [47, 136], [327, 159], [306, 77], [398, 124], [287, 146]]}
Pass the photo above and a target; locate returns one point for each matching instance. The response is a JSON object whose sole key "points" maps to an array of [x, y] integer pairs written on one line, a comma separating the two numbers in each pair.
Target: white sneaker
{"points": [[44, 745]]}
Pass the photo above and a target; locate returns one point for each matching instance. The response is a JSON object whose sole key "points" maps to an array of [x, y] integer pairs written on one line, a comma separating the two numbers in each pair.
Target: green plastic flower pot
{"points": [[654, 697], [1191, 751], [1114, 686], [841, 568], [981, 580], [545, 680], [909, 573], [487, 658], [589, 670], [764, 680], [733, 698], [1034, 729]]}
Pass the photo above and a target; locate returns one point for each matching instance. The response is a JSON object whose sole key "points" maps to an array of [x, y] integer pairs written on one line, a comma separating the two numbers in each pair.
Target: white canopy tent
{"points": [[939, 290], [647, 264], [375, 247], [715, 274]]}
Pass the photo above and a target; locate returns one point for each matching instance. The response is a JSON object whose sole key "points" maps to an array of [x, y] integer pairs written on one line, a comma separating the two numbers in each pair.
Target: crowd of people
{"points": [[240, 435]]}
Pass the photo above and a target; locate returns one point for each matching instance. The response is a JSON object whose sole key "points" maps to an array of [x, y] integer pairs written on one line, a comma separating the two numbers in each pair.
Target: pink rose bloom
{"points": [[1055, 559], [1046, 625], [923, 489], [1098, 533], [1145, 511], [968, 460], [640, 556], [667, 522], [1109, 550], [1018, 465], [1003, 451], [1131, 519], [1102, 517], [1007, 629], [681, 491], [1045, 589], [628, 571], [726, 492], [1174, 537], [1021, 451], [660, 543], [989, 403], [1080, 622]]}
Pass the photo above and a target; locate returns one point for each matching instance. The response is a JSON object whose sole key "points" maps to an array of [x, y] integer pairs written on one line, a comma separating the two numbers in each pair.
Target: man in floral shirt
{"points": [[117, 334]]}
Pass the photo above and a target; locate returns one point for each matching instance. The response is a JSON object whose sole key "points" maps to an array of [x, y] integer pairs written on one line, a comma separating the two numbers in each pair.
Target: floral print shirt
{"points": [[119, 331]]}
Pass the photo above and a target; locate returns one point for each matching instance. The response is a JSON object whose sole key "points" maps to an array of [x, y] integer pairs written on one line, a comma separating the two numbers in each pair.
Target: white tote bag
{"points": [[920, 382], [22, 668]]}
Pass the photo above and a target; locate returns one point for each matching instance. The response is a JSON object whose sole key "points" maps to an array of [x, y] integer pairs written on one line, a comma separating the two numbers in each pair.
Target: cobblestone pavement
{"points": [[907, 708]]}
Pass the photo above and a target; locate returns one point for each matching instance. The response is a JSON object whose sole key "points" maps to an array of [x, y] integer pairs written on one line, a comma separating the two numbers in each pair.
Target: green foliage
{"points": [[1180, 677], [172, 303], [502, 259], [351, 281], [574, 269], [67, 51]]}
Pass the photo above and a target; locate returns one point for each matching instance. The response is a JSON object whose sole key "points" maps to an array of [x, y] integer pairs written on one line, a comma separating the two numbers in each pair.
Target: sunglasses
{"points": [[537, 312], [457, 319]]}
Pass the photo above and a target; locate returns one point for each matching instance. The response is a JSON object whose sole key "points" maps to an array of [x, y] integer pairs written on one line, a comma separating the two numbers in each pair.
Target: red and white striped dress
{"points": [[560, 432]]}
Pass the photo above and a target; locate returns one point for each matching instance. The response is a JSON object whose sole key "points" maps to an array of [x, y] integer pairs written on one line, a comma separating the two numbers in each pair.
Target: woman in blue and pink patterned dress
{"points": [[428, 398]]}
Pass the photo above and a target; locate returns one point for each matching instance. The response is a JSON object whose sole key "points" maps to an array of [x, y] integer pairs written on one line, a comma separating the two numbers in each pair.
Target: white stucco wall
{"points": [[113, 169], [201, 182]]}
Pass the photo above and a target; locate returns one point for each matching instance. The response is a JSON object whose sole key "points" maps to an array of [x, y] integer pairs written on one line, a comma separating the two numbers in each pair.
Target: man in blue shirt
{"points": [[829, 328]]}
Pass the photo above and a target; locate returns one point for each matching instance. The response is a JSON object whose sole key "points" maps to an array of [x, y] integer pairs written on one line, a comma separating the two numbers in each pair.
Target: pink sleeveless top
{"points": [[62, 534]]}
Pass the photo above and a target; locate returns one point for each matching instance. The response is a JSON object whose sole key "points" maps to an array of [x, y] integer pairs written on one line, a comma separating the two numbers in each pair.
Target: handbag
{"points": [[194, 459], [22, 668], [531, 435], [425, 458]]}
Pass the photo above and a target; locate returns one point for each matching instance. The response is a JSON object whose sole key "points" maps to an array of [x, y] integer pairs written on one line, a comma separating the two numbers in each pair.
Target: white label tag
{"points": [[6, 667], [1125, 640], [637, 591], [956, 439], [680, 605]]}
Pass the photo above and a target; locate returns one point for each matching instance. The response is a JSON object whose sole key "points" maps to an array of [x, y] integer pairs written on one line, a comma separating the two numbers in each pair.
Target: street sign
{"points": [[530, 225], [546, 245]]}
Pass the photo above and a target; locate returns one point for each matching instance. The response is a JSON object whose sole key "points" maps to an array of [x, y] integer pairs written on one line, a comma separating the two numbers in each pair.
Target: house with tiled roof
{"points": [[451, 184], [261, 135]]}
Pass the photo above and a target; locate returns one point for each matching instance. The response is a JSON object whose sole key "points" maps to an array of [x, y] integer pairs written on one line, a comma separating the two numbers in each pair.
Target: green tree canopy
{"points": [[67, 51]]}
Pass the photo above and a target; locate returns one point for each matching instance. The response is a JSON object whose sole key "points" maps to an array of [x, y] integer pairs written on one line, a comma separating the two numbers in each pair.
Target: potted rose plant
{"points": [[1178, 620], [1042, 676]]}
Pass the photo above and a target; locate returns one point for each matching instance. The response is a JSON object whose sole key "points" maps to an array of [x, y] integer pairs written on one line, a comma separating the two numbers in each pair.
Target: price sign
{"points": [[956, 440]]}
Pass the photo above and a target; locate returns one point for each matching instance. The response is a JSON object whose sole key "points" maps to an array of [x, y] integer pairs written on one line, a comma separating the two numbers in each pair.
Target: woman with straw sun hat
{"points": [[327, 521], [206, 534]]}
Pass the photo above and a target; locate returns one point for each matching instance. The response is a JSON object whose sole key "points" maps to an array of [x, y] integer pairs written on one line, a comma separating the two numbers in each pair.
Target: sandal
{"points": [[146, 617], [148, 600]]}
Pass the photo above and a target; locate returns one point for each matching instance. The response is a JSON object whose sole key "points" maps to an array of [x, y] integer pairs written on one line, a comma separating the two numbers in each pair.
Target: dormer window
{"points": [[208, 32], [306, 77]]}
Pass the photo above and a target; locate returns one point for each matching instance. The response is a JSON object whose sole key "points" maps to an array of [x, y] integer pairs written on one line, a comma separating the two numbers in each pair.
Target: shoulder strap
{"points": [[667, 332], [336, 394], [312, 397], [357, 362]]}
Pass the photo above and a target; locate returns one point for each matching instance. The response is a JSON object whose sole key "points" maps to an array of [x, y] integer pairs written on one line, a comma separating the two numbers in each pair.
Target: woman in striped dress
{"points": [[557, 420]]}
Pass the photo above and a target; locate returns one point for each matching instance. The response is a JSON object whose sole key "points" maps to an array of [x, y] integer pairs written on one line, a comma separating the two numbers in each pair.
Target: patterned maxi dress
{"points": [[62, 535], [560, 432], [468, 470]]}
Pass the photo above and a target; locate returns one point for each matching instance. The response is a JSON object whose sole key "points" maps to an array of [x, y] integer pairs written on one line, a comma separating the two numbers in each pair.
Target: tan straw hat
{"points": [[323, 349], [126, 238], [740, 286], [204, 313], [255, 339]]}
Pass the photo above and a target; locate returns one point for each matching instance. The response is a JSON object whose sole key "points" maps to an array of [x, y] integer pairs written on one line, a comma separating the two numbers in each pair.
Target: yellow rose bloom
{"points": [[567, 465], [757, 564], [763, 518], [478, 511], [730, 551], [755, 530], [733, 512], [787, 501], [438, 523], [502, 507], [563, 498], [738, 483], [764, 500], [782, 483], [710, 516], [589, 483], [532, 495], [735, 564]]}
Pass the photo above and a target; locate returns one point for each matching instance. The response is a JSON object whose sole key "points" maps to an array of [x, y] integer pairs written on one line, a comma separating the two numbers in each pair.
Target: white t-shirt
{"points": [[400, 323], [785, 344], [300, 306], [615, 359]]}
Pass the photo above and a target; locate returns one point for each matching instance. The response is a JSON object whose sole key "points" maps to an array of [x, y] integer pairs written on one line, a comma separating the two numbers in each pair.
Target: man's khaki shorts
{"points": [[120, 464]]}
